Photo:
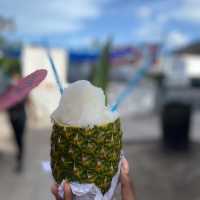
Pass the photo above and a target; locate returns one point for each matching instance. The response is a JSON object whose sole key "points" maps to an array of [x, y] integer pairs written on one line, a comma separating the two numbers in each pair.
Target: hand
{"points": [[67, 192], [127, 189], [124, 175], [126, 185]]}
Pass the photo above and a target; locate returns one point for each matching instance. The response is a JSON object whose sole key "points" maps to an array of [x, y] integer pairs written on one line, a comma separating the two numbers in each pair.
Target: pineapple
{"points": [[86, 154]]}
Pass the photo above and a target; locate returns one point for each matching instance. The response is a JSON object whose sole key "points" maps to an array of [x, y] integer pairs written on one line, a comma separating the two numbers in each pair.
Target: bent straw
{"points": [[132, 83], [57, 78]]}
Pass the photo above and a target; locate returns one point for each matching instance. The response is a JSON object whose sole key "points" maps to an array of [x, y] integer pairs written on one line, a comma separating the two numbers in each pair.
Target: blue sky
{"points": [[79, 22]]}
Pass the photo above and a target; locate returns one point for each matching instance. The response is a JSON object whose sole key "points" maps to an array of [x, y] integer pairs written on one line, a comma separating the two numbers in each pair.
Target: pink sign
{"points": [[18, 92]]}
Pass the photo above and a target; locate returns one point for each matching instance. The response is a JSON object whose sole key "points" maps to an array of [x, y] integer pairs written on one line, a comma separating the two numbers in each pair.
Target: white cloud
{"points": [[191, 14], [186, 10], [157, 20], [176, 39], [167, 11], [150, 31], [48, 16], [81, 41], [144, 11]]}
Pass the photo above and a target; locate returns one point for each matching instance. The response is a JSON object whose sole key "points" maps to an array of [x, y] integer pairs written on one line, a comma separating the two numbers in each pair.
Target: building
{"points": [[190, 56], [46, 96]]}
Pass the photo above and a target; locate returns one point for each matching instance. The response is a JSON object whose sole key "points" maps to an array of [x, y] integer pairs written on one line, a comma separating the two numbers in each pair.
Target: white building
{"points": [[184, 64], [181, 69], [46, 96], [175, 70], [192, 63]]}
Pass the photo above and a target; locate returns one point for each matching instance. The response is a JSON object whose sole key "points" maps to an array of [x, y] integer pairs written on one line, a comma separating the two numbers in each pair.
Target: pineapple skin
{"points": [[86, 155]]}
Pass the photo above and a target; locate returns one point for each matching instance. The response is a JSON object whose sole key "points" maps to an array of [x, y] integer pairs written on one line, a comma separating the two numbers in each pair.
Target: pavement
{"points": [[156, 174]]}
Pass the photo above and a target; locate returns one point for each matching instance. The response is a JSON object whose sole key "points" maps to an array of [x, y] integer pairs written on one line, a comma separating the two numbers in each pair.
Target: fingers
{"points": [[125, 167], [124, 175], [68, 192], [54, 190]]}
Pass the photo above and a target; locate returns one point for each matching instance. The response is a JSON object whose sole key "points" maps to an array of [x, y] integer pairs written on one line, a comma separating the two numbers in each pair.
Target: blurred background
{"points": [[106, 42]]}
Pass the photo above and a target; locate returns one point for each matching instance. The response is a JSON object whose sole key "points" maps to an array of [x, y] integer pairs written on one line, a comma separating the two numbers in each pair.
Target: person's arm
{"points": [[127, 189]]}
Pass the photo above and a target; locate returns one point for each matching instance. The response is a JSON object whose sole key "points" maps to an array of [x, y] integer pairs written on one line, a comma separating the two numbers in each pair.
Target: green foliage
{"points": [[10, 66], [2, 41], [100, 73]]}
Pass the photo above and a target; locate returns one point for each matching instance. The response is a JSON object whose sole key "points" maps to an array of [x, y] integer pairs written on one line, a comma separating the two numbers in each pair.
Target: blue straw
{"points": [[132, 83], [58, 82]]}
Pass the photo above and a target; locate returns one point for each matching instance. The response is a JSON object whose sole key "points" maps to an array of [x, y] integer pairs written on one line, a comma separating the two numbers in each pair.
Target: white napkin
{"points": [[87, 191]]}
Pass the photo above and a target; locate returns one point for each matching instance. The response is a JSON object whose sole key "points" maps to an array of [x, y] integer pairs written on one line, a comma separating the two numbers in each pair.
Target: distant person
{"points": [[127, 190], [17, 116]]}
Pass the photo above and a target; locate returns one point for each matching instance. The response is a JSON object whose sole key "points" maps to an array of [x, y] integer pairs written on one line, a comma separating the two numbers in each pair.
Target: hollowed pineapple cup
{"points": [[86, 155]]}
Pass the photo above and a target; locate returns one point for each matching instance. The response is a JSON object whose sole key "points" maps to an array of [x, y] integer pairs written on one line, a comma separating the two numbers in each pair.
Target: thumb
{"points": [[68, 192]]}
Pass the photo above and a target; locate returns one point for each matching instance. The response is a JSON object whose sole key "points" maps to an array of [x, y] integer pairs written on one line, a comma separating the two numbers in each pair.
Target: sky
{"points": [[80, 22]]}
